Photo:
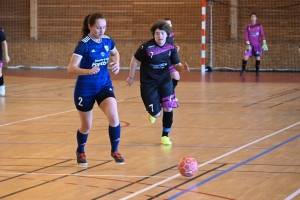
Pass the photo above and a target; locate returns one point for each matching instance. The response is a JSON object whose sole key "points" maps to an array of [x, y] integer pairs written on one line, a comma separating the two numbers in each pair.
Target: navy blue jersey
{"points": [[170, 39], [2, 39], [93, 54], [155, 61]]}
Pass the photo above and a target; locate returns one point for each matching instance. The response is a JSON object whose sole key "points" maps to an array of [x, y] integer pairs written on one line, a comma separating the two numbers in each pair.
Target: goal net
{"points": [[225, 21]]}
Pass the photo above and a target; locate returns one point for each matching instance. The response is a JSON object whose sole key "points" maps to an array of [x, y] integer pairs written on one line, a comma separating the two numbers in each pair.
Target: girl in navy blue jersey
{"points": [[155, 57], [3, 51], [89, 61]]}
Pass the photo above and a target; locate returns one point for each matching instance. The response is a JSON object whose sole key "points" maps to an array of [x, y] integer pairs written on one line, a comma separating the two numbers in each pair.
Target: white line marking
{"points": [[25, 120], [293, 195], [208, 162], [79, 175]]}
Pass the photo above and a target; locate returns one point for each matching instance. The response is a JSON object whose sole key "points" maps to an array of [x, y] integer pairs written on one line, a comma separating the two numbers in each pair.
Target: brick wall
{"points": [[128, 23]]}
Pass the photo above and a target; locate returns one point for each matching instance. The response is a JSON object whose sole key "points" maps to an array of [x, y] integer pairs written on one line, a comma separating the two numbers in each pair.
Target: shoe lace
{"points": [[82, 156], [118, 155]]}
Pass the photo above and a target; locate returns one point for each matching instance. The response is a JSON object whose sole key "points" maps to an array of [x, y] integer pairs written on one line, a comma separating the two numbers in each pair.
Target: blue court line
{"points": [[231, 168]]}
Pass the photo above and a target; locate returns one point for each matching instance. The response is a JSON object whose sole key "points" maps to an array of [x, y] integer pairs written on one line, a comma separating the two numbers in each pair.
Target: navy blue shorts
{"points": [[86, 103]]}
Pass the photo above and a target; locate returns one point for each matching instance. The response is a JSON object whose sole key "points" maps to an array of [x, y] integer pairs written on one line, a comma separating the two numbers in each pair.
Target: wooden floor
{"points": [[244, 133]]}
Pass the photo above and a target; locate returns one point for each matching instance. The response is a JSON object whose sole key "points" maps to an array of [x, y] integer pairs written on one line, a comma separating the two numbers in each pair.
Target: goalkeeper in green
{"points": [[253, 32]]}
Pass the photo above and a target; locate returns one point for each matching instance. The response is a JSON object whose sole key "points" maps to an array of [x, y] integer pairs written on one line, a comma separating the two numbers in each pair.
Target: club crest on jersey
{"points": [[106, 48]]}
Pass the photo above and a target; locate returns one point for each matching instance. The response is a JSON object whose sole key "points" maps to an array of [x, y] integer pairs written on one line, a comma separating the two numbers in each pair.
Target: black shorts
{"points": [[156, 96], [86, 103]]}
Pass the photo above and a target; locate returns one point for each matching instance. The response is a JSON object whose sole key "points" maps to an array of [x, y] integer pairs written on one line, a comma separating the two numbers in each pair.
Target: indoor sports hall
{"points": [[243, 131]]}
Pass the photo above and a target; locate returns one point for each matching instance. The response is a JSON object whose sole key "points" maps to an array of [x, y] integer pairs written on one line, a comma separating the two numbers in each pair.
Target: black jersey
{"points": [[170, 39], [155, 61], [2, 39]]}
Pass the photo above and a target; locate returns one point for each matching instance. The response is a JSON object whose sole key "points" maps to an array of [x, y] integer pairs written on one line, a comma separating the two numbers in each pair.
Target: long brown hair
{"points": [[89, 20]]}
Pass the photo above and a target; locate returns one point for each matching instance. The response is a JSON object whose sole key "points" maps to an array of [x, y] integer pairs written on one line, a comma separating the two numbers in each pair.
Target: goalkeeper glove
{"points": [[248, 46], [264, 46]]}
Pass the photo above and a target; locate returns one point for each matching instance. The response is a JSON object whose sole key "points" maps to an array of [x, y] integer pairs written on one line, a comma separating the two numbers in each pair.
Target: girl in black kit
{"points": [[155, 57]]}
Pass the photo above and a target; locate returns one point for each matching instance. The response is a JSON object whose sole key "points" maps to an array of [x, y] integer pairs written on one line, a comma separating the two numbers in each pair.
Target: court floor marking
{"points": [[293, 195], [233, 167], [78, 175], [210, 161], [25, 120], [16, 122]]}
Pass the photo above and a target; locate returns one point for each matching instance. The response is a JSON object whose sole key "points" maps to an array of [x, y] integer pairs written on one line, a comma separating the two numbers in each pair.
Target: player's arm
{"points": [[262, 34], [182, 67], [246, 34], [115, 64], [5, 49], [177, 47], [73, 67], [174, 59], [133, 66]]}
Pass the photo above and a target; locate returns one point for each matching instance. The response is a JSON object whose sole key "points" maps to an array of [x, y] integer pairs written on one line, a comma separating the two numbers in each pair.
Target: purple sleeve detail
{"points": [[262, 33], [246, 33]]}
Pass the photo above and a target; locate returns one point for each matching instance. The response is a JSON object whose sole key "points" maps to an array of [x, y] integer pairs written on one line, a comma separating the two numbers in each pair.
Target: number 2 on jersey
{"points": [[80, 100]]}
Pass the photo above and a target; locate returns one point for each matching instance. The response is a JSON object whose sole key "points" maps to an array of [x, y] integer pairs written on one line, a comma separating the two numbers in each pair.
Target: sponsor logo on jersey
{"points": [[101, 62], [102, 54], [159, 66], [254, 34]]}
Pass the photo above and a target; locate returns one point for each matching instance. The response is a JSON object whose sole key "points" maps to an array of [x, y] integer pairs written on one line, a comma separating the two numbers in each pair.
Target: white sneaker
{"points": [[2, 90]]}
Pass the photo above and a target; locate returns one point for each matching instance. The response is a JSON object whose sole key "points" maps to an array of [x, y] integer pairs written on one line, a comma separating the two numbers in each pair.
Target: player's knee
{"points": [[168, 109], [157, 115], [114, 124], [114, 121], [85, 129], [175, 75]]}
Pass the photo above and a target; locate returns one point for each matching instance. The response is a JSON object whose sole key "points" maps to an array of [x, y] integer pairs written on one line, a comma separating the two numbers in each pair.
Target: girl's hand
{"points": [[115, 67], [94, 70], [7, 59], [186, 67], [129, 81]]}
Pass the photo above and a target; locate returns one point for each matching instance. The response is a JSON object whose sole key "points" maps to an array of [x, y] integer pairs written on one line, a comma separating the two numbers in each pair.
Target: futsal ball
{"points": [[187, 166]]}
